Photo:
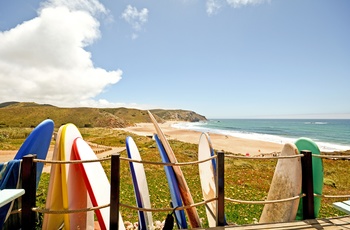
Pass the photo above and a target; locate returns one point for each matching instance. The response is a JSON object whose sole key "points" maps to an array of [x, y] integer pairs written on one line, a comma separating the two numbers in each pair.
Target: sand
{"points": [[220, 142]]}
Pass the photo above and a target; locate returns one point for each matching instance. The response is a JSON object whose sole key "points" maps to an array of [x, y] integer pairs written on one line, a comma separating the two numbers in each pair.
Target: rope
{"points": [[332, 156], [125, 159], [48, 211], [167, 209], [71, 162], [263, 158], [16, 211], [332, 196], [168, 164], [265, 201]]}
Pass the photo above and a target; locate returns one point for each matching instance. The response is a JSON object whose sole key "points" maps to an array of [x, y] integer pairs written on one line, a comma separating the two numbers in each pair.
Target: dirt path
{"points": [[100, 150]]}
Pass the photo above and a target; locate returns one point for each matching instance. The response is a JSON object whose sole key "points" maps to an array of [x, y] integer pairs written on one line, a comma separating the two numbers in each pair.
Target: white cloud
{"points": [[103, 103], [93, 7], [135, 18], [213, 6], [134, 36], [239, 3], [44, 60]]}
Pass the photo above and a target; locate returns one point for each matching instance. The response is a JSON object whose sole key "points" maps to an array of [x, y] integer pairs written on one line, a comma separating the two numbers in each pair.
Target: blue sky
{"points": [[219, 58]]}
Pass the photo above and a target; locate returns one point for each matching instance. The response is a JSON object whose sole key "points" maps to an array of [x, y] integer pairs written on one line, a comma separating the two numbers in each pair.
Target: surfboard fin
{"points": [[169, 221]]}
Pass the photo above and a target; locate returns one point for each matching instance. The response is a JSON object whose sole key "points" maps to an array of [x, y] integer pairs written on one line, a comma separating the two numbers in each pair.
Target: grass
{"points": [[244, 179]]}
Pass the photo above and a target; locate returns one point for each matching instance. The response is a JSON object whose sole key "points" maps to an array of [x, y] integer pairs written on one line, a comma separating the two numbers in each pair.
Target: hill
{"points": [[25, 114]]}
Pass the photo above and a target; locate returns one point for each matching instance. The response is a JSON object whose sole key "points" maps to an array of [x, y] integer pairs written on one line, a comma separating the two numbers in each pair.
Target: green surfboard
{"points": [[317, 171]]}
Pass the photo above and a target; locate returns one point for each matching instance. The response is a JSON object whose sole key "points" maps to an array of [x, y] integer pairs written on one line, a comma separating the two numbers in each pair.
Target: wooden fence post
{"points": [[307, 185], [220, 180], [28, 174], [115, 191]]}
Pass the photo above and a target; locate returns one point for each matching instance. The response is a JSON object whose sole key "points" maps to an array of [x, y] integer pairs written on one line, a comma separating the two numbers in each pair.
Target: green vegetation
{"points": [[12, 138], [16, 114], [244, 179]]}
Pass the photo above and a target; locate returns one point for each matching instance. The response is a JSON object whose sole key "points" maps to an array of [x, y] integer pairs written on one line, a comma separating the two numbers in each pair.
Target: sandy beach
{"points": [[219, 142]]}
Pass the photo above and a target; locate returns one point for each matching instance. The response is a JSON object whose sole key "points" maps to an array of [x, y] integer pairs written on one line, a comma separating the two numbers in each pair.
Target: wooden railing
{"points": [[29, 198]]}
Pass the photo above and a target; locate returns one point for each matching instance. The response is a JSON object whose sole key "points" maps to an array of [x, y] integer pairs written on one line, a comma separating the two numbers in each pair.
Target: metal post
{"points": [[29, 185], [220, 187], [307, 185], [115, 191]]}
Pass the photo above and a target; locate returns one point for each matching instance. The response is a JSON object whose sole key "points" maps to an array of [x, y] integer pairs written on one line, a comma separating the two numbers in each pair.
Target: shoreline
{"points": [[227, 143], [219, 142]]}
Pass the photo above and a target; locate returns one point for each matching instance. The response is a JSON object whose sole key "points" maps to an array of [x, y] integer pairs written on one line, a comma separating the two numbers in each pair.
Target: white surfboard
{"points": [[286, 183], [96, 182], [140, 185], [207, 177], [72, 184]]}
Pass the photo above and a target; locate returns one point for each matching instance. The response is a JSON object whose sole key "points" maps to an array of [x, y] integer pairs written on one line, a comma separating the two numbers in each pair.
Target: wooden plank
{"points": [[8, 195], [327, 224]]}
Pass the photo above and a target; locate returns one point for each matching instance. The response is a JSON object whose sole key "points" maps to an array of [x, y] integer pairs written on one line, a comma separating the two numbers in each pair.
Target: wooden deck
{"points": [[331, 223]]}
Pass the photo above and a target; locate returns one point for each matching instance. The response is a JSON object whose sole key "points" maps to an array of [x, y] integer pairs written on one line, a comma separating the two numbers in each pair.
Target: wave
{"points": [[200, 127], [315, 123]]}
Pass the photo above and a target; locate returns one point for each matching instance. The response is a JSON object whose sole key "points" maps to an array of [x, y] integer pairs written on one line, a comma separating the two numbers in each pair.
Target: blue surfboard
{"points": [[173, 186], [38, 142], [140, 185]]}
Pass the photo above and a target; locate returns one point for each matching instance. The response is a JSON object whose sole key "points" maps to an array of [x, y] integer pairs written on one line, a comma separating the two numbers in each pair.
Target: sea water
{"points": [[330, 135]]}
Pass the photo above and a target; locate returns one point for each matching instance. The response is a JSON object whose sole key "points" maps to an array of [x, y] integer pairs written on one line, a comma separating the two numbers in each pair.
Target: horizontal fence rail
{"points": [[265, 201]]}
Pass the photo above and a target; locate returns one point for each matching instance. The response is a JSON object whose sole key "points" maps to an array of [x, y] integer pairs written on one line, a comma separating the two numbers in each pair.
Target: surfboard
{"points": [[54, 200], [96, 182], [173, 186], [38, 142], [67, 190], [140, 185], [317, 171], [286, 183], [74, 190], [207, 177], [184, 190]]}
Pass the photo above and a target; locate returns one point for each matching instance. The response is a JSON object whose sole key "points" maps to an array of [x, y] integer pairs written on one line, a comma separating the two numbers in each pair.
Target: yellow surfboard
{"points": [[67, 190], [54, 200]]}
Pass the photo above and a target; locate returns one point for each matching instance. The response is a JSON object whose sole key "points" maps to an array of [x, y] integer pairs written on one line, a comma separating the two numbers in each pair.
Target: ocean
{"points": [[330, 135]]}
